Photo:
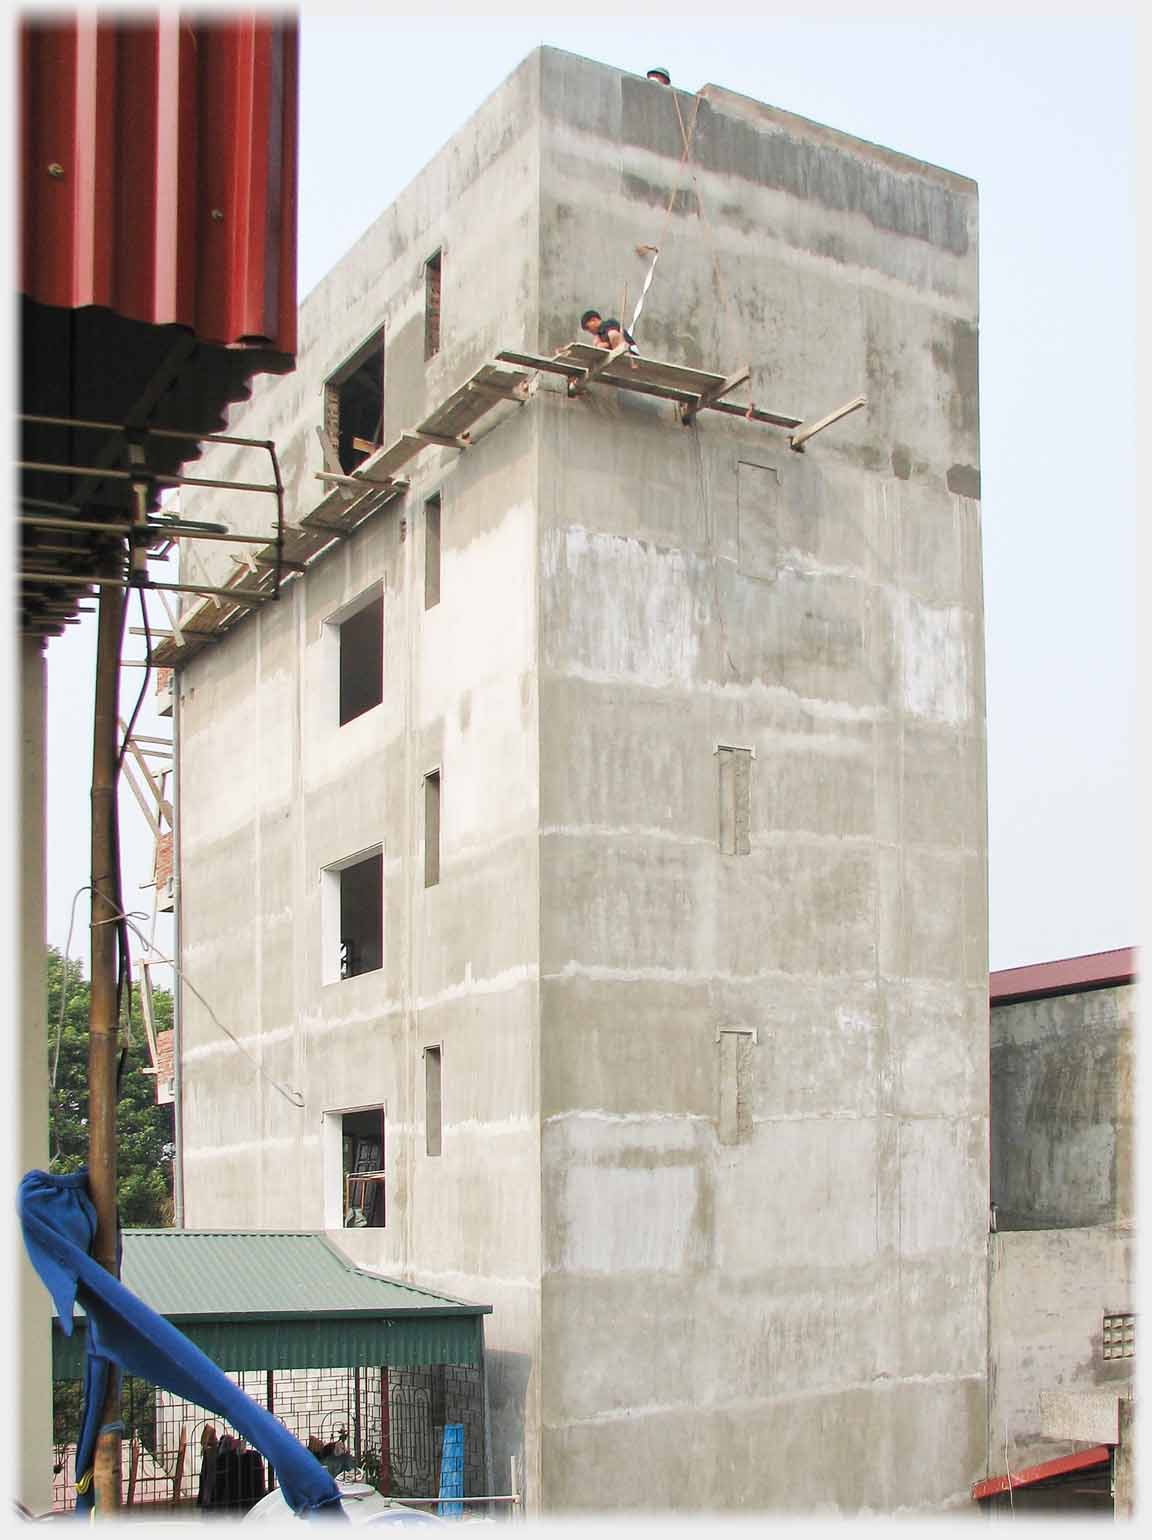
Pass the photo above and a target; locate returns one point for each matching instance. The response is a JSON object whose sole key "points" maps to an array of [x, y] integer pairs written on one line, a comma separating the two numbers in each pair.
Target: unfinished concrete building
{"points": [[587, 849]]}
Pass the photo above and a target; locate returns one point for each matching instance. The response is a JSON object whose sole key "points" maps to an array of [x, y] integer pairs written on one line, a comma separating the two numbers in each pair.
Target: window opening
{"points": [[432, 551], [432, 829], [362, 660], [362, 1135], [735, 1109], [432, 277], [354, 406], [433, 1118], [361, 916], [735, 800]]}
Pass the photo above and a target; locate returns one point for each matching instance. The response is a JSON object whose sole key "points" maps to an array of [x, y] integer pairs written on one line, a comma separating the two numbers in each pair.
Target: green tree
{"points": [[144, 1131]]}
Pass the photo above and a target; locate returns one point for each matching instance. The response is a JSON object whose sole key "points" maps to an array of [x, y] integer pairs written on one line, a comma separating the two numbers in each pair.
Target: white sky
{"points": [[1040, 111]]}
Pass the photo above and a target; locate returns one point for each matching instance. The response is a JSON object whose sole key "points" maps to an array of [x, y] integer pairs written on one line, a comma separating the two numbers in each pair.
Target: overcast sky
{"points": [[1039, 111]]}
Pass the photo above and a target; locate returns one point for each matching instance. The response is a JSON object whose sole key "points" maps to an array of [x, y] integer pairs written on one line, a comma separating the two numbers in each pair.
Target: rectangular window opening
{"points": [[432, 829], [361, 916], [735, 800], [362, 1139], [354, 406], [362, 660], [433, 1117], [432, 551], [432, 277]]}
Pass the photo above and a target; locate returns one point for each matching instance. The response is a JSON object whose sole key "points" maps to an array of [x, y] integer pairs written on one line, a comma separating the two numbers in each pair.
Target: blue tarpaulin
{"points": [[59, 1224], [452, 1471]]}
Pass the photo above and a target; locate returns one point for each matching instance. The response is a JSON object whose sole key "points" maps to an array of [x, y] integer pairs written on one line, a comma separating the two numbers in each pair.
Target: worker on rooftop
{"points": [[661, 75], [606, 333]]}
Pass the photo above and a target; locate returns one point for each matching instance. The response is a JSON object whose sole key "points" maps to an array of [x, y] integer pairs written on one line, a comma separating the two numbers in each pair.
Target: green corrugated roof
{"points": [[262, 1273], [284, 1299]]}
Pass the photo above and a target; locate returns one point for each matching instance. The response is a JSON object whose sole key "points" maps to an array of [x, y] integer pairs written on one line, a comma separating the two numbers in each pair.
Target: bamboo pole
{"points": [[102, 1022]]}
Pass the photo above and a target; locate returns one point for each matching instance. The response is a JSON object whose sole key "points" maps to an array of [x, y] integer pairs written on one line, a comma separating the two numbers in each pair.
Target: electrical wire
{"points": [[289, 1093], [123, 948], [64, 987], [144, 687]]}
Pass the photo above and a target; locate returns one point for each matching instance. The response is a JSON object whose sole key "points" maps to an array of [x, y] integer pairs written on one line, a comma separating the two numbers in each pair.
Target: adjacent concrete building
{"points": [[588, 852], [1062, 1264]]}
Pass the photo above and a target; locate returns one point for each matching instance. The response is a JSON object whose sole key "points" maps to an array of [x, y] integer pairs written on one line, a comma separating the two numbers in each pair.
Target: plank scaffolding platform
{"points": [[356, 495], [695, 389]]}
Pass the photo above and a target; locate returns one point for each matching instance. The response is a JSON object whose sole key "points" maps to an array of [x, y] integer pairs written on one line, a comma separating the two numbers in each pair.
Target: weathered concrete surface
{"points": [[30, 1469], [1048, 1293], [1062, 1110], [794, 1321], [1084, 1416], [274, 791], [1126, 1462]]}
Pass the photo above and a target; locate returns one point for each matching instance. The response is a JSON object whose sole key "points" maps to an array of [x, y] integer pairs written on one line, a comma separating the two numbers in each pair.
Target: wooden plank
{"points": [[443, 440], [544, 365], [473, 400], [597, 367], [382, 464], [500, 392], [798, 440], [754, 414], [714, 392], [651, 371]]}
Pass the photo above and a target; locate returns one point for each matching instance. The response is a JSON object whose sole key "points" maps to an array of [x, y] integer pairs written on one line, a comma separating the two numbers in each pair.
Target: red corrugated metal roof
{"points": [[158, 171], [1086, 1459], [1065, 977]]}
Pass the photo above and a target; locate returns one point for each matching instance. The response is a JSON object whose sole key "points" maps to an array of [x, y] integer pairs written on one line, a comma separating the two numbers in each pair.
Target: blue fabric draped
{"points": [[59, 1224]]}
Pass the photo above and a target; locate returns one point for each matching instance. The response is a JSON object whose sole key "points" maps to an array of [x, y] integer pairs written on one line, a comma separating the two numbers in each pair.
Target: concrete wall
{"points": [[274, 791], [1062, 1103], [726, 1273], [30, 1471], [792, 1320], [1049, 1291]]}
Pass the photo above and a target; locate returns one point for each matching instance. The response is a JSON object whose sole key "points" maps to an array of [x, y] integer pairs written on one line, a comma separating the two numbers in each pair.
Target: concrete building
{"points": [[1062, 1266], [588, 851]]}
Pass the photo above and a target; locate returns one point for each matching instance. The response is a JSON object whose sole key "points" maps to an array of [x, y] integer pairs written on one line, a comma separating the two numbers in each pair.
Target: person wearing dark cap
{"points": [[661, 75], [606, 334]]}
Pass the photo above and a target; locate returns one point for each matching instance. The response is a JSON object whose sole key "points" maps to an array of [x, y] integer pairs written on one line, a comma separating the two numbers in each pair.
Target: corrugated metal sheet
{"points": [[1068, 975], [313, 1342], [260, 1273], [260, 1299], [158, 171], [1064, 1465]]}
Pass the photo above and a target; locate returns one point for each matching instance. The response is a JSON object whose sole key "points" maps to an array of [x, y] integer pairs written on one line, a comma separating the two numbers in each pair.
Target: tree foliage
{"points": [[144, 1131]]}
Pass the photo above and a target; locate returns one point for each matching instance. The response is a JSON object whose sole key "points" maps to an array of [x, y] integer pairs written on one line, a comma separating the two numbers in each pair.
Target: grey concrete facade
{"points": [[1063, 1256], [715, 1111], [1049, 1291], [1062, 1110]]}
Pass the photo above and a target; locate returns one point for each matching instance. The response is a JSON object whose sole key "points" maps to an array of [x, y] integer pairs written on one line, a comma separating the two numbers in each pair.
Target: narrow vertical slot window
{"points": [[735, 800], [433, 1116], [432, 552], [734, 1121], [362, 660], [432, 280], [432, 829]]}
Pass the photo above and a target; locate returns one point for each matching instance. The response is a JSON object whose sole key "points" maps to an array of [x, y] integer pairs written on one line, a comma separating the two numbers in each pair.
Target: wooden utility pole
{"points": [[102, 1022]]}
